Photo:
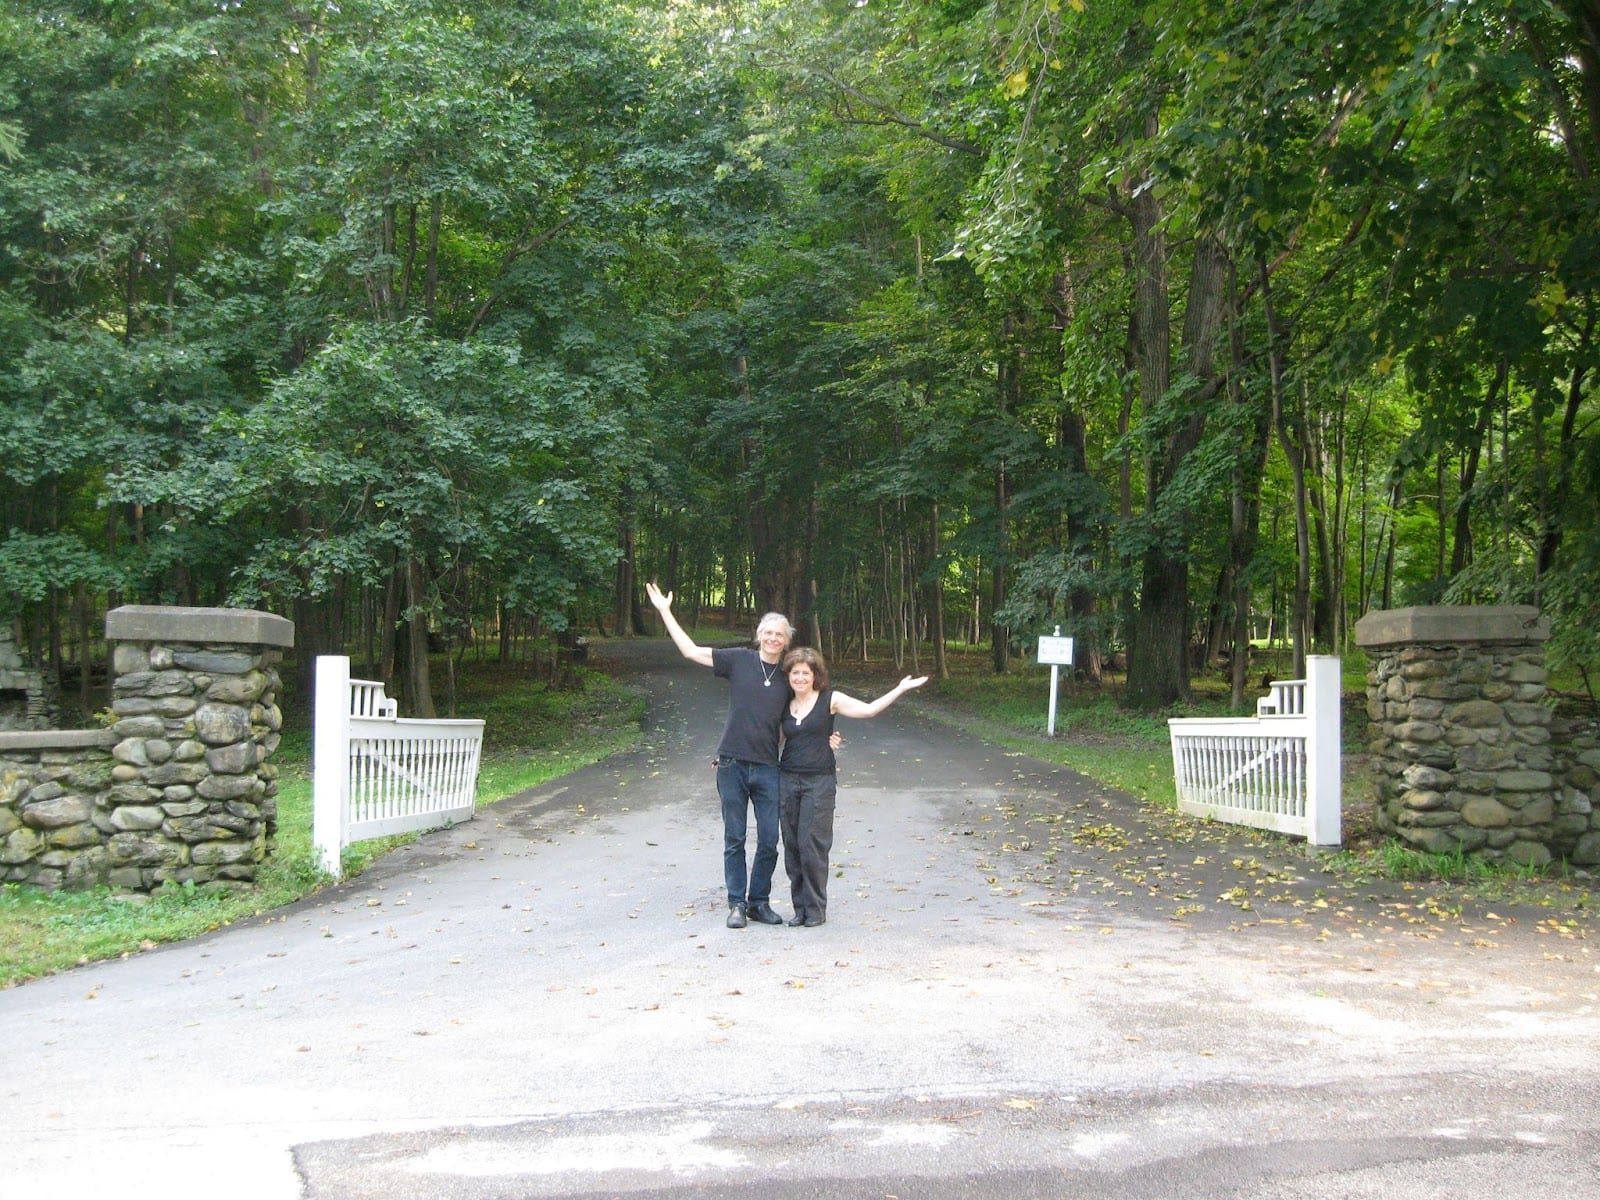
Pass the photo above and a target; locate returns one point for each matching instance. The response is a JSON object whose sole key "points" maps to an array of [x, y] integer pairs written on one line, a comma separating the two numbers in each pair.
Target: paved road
{"points": [[1023, 989]]}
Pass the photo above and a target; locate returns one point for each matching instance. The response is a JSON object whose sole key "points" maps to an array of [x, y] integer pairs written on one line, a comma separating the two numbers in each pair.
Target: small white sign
{"points": [[1055, 650]]}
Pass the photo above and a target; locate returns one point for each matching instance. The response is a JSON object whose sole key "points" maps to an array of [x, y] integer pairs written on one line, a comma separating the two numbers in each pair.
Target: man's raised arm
{"points": [[663, 603]]}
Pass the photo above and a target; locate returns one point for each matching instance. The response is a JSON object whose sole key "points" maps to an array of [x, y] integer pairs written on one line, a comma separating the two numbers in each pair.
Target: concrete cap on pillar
{"points": [[170, 623], [1446, 624]]}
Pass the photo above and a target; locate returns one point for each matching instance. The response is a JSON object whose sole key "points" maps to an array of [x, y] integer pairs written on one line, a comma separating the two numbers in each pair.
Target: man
{"points": [[747, 755]]}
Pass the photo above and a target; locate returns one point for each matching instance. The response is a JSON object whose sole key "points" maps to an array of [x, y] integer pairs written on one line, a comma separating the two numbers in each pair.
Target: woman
{"points": [[806, 781]]}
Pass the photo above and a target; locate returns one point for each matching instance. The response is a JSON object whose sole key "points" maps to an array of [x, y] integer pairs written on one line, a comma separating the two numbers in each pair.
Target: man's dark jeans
{"points": [[744, 786]]}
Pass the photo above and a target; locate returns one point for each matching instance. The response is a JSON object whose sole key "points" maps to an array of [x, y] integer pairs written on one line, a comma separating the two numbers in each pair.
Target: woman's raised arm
{"points": [[849, 706]]}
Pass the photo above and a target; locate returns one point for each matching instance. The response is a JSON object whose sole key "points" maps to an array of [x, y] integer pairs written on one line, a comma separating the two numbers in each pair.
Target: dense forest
{"points": [[1174, 323]]}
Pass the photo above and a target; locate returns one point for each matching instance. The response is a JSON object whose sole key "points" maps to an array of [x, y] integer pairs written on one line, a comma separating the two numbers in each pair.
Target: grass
{"points": [[1392, 859], [1106, 745], [532, 734]]}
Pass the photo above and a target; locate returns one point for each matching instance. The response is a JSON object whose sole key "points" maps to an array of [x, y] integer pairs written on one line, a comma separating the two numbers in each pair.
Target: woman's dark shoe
{"points": [[799, 917], [813, 919]]}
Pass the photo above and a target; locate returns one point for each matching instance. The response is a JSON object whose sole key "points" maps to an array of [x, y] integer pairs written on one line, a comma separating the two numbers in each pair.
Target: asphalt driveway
{"points": [[1025, 987]]}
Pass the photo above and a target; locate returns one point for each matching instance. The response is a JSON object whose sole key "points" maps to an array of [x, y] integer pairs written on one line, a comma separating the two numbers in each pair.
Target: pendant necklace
{"points": [[767, 680]]}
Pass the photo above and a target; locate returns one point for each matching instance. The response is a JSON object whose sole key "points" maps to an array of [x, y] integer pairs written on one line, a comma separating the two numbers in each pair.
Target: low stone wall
{"points": [[49, 784], [179, 788], [1471, 758], [1580, 786]]}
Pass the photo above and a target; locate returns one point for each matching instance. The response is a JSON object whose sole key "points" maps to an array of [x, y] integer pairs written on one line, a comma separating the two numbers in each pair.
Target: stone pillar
{"points": [[195, 701], [1461, 731]]}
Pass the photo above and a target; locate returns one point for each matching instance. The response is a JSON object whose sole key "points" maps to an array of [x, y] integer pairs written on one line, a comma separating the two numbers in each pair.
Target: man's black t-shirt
{"points": [[758, 695]]}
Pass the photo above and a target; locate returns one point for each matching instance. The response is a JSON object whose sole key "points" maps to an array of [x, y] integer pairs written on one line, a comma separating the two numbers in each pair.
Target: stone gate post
{"points": [[193, 796], [1461, 729]]}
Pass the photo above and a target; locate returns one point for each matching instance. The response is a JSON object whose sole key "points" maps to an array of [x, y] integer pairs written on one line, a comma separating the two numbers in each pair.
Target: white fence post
{"points": [[330, 762], [1324, 796]]}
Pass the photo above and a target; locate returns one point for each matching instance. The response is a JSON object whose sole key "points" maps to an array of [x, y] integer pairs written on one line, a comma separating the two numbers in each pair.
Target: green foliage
{"points": [[1034, 605], [31, 565], [1569, 593], [1022, 313]]}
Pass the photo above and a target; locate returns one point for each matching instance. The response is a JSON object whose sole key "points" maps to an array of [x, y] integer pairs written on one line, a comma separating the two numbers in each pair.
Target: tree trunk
{"points": [[1566, 463], [318, 625], [1461, 543], [420, 687], [1000, 637], [1324, 598], [941, 667], [812, 619], [1295, 452], [886, 588], [1008, 392], [1396, 497], [1158, 660], [909, 591], [1157, 677], [1441, 510], [1162, 675], [626, 583], [86, 646], [1584, 31], [1339, 524], [388, 635], [1244, 525], [1072, 443]]}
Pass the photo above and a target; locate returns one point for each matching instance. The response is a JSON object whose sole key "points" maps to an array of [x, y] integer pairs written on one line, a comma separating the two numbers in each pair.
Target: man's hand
{"points": [[685, 644]]}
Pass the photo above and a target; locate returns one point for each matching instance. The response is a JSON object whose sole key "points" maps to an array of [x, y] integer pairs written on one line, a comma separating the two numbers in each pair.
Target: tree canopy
{"points": [[1174, 323]]}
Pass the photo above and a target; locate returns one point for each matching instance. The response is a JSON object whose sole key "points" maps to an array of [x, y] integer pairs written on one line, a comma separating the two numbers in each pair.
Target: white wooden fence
{"points": [[374, 774], [1277, 770]]}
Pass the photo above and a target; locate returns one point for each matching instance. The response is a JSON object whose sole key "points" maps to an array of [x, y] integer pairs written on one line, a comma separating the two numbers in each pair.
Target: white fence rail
{"points": [[375, 774], [1277, 770]]}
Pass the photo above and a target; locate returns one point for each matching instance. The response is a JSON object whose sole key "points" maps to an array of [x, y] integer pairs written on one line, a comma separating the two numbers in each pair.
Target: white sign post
{"points": [[1057, 651]]}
